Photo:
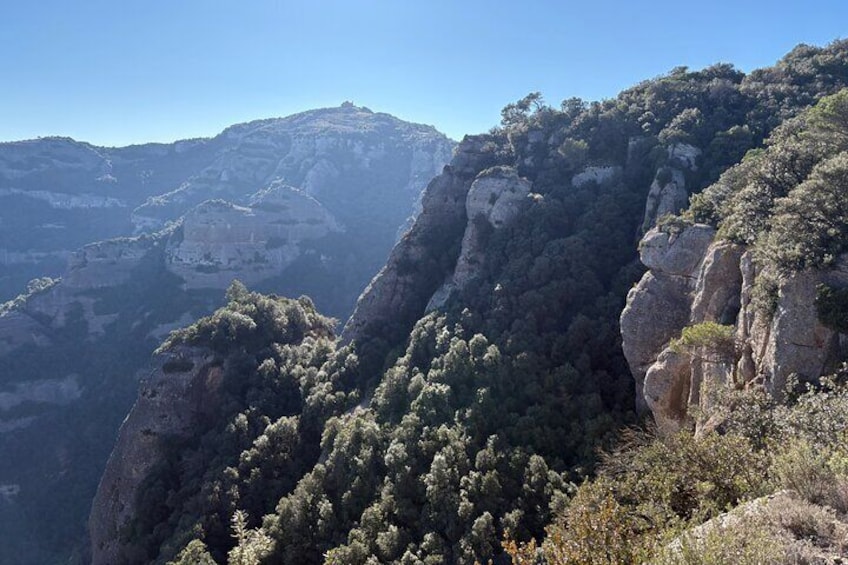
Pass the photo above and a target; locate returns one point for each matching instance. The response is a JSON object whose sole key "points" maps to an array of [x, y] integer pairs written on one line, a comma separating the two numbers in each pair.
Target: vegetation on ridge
{"points": [[651, 491], [486, 411]]}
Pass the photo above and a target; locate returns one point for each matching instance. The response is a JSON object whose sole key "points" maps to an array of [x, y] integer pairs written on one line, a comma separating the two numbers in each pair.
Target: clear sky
{"points": [[115, 72]]}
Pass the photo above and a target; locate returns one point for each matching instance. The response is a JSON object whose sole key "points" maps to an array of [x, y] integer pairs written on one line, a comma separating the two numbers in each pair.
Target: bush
{"points": [[807, 470], [649, 488], [832, 307], [709, 340], [746, 542]]}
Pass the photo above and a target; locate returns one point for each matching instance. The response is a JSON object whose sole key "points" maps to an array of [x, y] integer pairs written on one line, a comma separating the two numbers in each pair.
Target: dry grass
{"points": [[783, 529]]}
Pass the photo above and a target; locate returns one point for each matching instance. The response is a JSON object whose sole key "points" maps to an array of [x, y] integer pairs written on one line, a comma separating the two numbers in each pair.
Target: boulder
{"points": [[676, 254]]}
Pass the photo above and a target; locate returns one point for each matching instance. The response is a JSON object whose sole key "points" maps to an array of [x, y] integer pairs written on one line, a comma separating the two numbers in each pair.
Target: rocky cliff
{"points": [[760, 300], [695, 278], [482, 368], [219, 241], [507, 245], [71, 348], [426, 257], [179, 393]]}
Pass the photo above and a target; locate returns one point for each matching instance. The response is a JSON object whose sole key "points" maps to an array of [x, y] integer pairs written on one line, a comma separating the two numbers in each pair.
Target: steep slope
{"points": [[72, 350], [483, 366], [736, 337]]}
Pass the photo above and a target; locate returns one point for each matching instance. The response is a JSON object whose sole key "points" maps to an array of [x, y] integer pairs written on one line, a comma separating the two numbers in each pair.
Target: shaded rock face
{"points": [[102, 265], [420, 273], [95, 267], [53, 391], [57, 194], [693, 279], [18, 329], [177, 396]]}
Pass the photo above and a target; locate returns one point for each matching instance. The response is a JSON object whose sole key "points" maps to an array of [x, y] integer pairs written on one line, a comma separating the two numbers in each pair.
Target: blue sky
{"points": [[123, 71]]}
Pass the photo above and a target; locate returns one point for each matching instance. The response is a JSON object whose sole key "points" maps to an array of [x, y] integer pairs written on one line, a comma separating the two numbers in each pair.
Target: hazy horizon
{"points": [[179, 71]]}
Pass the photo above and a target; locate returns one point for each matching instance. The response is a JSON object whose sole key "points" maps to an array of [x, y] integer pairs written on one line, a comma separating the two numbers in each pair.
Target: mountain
{"points": [[57, 194], [309, 204], [486, 365]]}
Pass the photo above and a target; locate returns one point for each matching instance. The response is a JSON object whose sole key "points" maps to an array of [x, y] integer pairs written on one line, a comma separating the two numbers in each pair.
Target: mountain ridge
{"points": [[427, 435]]}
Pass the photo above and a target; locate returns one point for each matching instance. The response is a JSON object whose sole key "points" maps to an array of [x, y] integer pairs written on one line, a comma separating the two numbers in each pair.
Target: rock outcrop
{"points": [[659, 305], [177, 396], [669, 193], [694, 279], [420, 274], [597, 175], [493, 201], [220, 241], [102, 265]]}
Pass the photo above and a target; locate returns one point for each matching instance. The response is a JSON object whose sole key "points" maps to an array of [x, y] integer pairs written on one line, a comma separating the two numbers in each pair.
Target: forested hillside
{"points": [[311, 203], [483, 369], [757, 370]]}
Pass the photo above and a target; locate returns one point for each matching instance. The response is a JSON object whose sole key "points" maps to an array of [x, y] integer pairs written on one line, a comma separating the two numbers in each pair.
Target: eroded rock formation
{"points": [[695, 279]]}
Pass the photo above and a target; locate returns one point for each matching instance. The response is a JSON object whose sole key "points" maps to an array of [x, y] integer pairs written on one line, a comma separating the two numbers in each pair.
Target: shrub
{"points": [[709, 340], [195, 553], [832, 307], [745, 542], [807, 470]]}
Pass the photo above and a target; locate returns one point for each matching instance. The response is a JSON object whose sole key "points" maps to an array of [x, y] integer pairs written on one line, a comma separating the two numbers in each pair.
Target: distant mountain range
{"points": [[145, 239], [57, 194]]}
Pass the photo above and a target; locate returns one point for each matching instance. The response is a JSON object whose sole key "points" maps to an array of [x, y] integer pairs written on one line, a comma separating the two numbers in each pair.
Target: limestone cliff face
{"points": [[103, 265], [220, 241], [694, 278], [179, 393], [57, 194], [322, 152]]}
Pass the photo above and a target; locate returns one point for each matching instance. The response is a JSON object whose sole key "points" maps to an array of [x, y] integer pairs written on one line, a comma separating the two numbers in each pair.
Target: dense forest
{"points": [[499, 414], [786, 202]]}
